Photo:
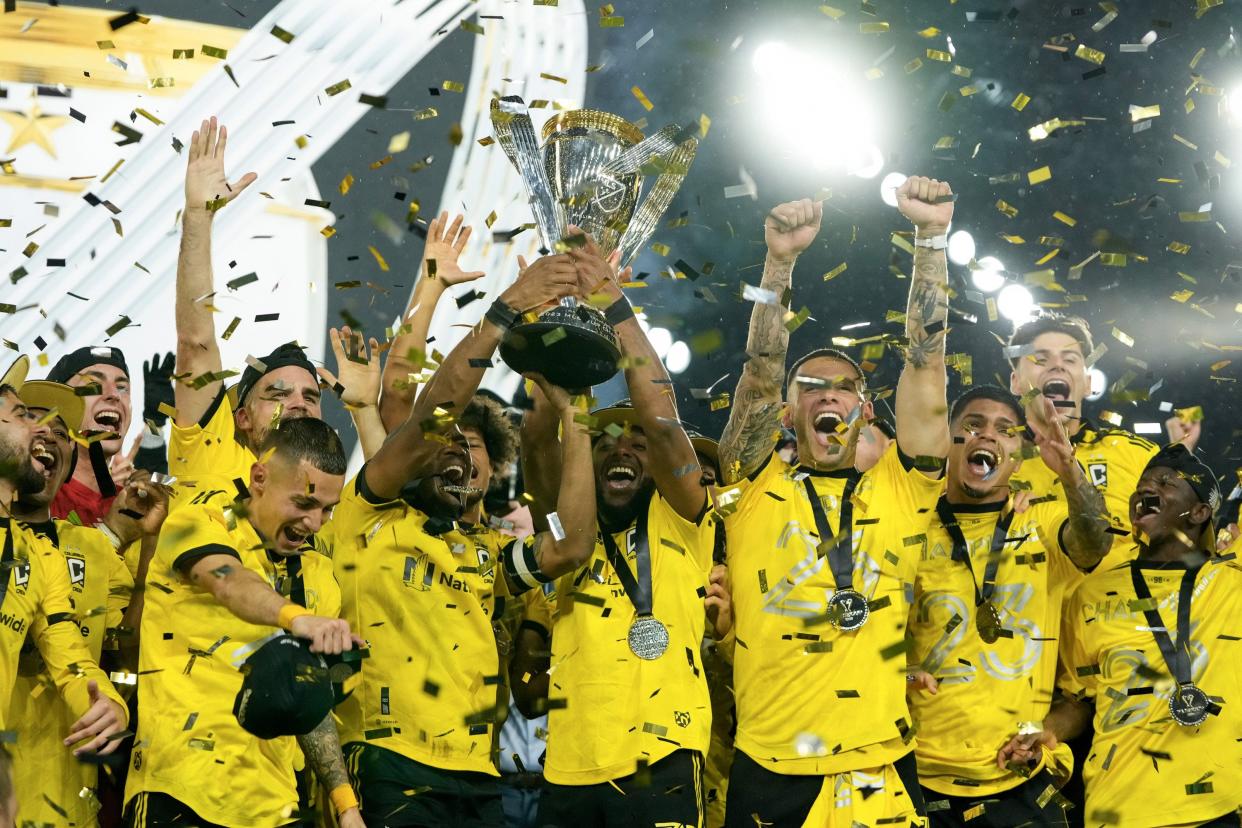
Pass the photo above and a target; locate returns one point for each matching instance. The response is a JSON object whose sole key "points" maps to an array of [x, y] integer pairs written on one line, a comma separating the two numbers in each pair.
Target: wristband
{"points": [[934, 242], [343, 798], [619, 311], [289, 612], [109, 534], [501, 315]]}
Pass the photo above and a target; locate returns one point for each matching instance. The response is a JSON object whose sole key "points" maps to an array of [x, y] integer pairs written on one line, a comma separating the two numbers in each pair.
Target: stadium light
{"points": [[961, 247], [661, 339], [889, 185], [1099, 384], [678, 357], [989, 276], [1015, 303]]}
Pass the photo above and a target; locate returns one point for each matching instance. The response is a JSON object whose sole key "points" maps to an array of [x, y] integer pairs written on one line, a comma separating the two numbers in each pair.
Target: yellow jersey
{"points": [[987, 690], [1113, 459], [47, 777], [206, 456], [38, 603], [812, 699], [432, 689], [610, 710], [1144, 769], [189, 744]]}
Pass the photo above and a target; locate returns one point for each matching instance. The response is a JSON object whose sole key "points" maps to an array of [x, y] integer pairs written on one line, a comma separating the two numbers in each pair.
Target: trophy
{"points": [[588, 173]]}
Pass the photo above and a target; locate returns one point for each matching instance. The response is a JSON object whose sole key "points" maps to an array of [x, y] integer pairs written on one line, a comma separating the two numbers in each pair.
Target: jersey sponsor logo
{"points": [[682, 717], [13, 622], [77, 571], [1098, 472], [419, 573], [21, 575]]}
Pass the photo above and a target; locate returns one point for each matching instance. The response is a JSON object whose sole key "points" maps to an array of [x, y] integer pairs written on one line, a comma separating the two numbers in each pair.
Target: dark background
{"points": [[1104, 175]]}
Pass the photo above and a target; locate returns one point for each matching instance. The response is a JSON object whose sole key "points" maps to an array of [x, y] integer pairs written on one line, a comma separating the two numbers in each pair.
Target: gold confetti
{"points": [[611, 22], [1123, 337], [836, 271], [551, 77], [472, 27], [834, 13], [1113, 259], [642, 99], [1142, 113], [967, 91], [1178, 247], [399, 142], [1088, 54], [1020, 102], [1182, 295], [962, 71], [338, 88], [161, 83], [873, 28], [378, 258], [424, 114], [1188, 217], [660, 248], [1064, 219], [105, 44], [1183, 141], [1112, 418], [930, 31], [215, 52], [346, 183], [1005, 207], [453, 86], [1013, 239], [1222, 160], [1039, 176], [936, 54], [914, 66]]}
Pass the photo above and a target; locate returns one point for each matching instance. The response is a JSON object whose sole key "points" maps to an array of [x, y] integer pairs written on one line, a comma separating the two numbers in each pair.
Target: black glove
{"points": [[157, 388]]}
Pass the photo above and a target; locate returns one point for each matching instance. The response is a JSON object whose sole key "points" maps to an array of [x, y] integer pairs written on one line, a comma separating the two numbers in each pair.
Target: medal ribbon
{"points": [[6, 560], [638, 589], [1177, 657], [961, 550], [841, 556]]}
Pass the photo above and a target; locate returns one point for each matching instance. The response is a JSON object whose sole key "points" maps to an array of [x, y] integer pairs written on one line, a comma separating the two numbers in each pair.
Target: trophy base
{"points": [[570, 347]]}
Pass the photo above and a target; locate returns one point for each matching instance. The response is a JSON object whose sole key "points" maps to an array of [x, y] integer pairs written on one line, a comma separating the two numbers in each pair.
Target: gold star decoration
{"points": [[32, 127]]}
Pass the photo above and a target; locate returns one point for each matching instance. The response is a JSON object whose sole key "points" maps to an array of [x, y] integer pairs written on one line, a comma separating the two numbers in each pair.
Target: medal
{"points": [[1189, 705], [848, 610], [648, 638], [988, 622]]}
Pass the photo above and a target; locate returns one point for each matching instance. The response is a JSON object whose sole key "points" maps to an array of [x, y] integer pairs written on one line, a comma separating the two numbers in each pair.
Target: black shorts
{"points": [[670, 792], [159, 810], [781, 800], [1008, 809], [396, 791]]}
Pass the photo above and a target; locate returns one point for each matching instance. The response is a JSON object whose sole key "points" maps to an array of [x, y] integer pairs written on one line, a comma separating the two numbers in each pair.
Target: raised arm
{"points": [[674, 465], [248, 596], [922, 405], [406, 451], [756, 412], [541, 449], [1084, 536], [440, 271], [206, 191], [357, 382]]}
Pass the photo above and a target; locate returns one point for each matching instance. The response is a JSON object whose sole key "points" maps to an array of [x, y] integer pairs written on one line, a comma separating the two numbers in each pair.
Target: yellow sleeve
{"points": [[537, 611], [65, 655], [902, 489], [120, 591], [1076, 672], [188, 534], [1050, 516], [188, 446]]}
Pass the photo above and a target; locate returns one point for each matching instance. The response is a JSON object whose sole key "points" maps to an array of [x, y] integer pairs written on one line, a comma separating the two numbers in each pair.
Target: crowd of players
{"points": [[961, 616]]}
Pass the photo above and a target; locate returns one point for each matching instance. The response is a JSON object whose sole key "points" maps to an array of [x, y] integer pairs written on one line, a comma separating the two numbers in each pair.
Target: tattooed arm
{"points": [[922, 406], [322, 748], [1084, 536], [756, 413]]}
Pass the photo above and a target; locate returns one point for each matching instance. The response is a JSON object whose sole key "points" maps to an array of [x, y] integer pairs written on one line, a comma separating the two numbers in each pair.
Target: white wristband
{"points": [[934, 242], [109, 534]]}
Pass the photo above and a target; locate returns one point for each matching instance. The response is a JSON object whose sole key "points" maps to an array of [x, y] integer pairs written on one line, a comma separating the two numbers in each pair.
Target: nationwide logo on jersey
{"points": [[420, 573]]}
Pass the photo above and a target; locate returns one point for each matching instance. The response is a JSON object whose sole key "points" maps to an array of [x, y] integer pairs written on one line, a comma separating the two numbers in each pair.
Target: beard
{"points": [[17, 467], [615, 517]]}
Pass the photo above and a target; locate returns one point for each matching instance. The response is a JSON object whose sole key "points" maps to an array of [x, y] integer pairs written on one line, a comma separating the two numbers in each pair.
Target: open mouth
{"points": [[827, 422], [108, 420], [293, 536], [1148, 505], [982, 461], [454, 474], [1056, 390], [620, 476], [44, 459]]}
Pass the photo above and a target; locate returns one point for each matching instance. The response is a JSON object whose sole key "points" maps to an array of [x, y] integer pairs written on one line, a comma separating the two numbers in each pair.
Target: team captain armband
{"points": [[521, 565]]}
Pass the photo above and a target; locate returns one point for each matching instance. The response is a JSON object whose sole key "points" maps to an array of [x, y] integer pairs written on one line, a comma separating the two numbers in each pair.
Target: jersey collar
{"points": [[978, 508]]}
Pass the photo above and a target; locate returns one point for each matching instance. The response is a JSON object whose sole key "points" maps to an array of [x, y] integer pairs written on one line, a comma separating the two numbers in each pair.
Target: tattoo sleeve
{"points": [[756, 410], [1086, 537], [322, 748], [928, 308]]}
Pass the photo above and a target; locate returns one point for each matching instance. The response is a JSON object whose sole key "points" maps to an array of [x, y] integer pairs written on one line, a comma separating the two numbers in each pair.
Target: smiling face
{"points": [[452, 486], [51, 452], [1164, 508], [621, 475], [17, 438], [290, 501], [291, 390], [986, 451], [1058, 368], [825, 394], [109, 410]]}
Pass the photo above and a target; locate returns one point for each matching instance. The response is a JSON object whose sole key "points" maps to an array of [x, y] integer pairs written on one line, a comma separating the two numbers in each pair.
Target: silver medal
{"points": [[848, 609], [1188, 705], [648, 638]]}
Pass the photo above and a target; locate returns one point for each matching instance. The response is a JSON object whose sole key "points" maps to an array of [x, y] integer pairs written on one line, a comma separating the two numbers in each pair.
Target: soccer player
{"points": [[420, 729], [214, 432], [49, 779], [1049, 357], [35, 593], [629, 714], [227, 577], [1149, 651], [820, 558], [986, 613]]}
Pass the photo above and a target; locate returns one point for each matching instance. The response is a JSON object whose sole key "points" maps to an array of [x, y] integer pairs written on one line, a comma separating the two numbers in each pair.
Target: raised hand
{"points": [[121, 466], [157, 388], [357, 377], [544, 282], [926, 202], [558, 398], [719, 602], [206, 187], [1055, 448], [445, 242], [1183, 431], [791, 227]]}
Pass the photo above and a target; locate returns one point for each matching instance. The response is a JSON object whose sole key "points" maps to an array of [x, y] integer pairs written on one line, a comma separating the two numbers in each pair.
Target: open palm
{"points": [[206, 186], [445, 242], [357, 377]]}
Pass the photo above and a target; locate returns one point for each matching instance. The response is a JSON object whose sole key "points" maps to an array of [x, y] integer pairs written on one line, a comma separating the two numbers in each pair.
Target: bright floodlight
{"points": [[661, 340], [1235, 103], [990, 275], [961, 248], [1015, 303], [678, 357], [867, 162], [889, 185], [1099, 384], [773, 59]]}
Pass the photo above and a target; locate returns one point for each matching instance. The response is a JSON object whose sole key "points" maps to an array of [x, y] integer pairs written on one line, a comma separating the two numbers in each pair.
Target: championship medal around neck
{"points": [[1188, 705], [988, 622], [848, 610], [648, 637]]}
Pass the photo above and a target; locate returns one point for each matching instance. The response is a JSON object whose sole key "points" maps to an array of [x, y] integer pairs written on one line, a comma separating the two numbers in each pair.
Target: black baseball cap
{"points": [[287, 689], [75, 362], [285, 355]]}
